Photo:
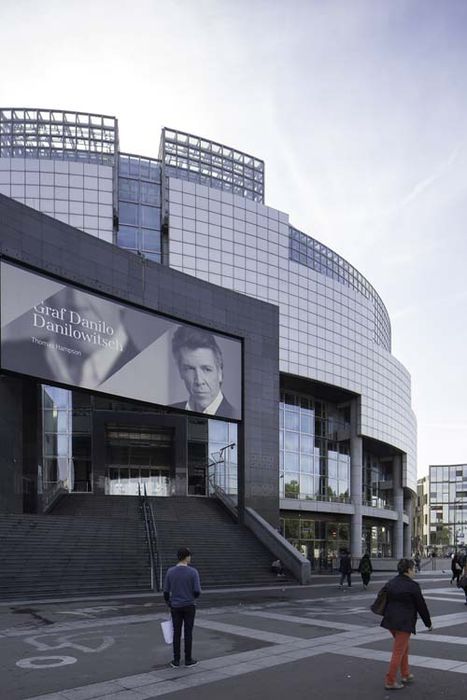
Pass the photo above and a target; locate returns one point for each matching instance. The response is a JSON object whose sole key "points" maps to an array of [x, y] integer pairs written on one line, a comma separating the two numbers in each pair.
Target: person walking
{"points": [[181, 588], [404, 602], [365, 569], [456, 568], [345, 568], [417, 561]]}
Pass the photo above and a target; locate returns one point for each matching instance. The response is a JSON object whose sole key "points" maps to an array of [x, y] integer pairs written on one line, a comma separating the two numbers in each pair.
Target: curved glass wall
{"points": [[314, 450], [313, 254]]}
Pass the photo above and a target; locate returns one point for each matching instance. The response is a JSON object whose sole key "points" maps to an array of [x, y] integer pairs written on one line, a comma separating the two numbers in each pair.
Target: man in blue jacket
{"points": [[181, 588]]}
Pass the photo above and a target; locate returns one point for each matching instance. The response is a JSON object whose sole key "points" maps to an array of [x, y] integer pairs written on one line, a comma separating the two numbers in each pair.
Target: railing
{"points": [[228, 502], [51, 492], [318, 497], [155, 562]]}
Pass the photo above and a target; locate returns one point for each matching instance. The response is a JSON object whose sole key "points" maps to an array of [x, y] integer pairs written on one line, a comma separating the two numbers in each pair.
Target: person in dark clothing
{"points": [[345, 568], [456, 567], [181, 587], [404, 602], [365, 569]]}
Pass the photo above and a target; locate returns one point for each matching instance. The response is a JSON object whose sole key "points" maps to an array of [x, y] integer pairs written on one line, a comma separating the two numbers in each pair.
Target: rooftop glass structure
{"points": [[193, 158], [58, 134]]}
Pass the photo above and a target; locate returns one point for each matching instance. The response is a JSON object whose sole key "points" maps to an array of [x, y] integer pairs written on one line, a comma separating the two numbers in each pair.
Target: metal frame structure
{"points": [[193, 158], [58, 134]]}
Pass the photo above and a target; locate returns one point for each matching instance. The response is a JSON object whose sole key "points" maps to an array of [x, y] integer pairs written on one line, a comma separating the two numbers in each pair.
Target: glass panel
{"points": [[127, 237], [306, 464], [307, 486], [291, 461], [150, 194], [128, 213], [291, 485], [150, 217], [151, 240], [291, 441], [292, 420], [306, 444], [129, 189], [55, 397], [307, 422]]}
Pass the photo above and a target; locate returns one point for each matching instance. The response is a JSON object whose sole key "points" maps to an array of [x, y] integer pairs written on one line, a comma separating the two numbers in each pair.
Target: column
{"points": [[398, 492], [408, 532], [356, 470]]}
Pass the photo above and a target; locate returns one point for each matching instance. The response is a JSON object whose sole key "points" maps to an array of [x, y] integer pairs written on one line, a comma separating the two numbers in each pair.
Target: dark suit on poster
{"points": [[225, 410]]}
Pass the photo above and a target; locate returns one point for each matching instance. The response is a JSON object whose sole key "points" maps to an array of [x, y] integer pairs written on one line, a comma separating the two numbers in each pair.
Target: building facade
{"points": [[447, 507], [421, 537], [340, 462]]}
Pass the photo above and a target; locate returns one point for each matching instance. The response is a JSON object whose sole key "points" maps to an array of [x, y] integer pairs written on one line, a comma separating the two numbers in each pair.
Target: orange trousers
{"points": [[400, 656]]}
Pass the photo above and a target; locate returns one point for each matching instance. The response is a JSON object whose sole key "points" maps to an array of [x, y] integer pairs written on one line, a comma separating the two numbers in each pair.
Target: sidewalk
{"points": [[254, 644]]}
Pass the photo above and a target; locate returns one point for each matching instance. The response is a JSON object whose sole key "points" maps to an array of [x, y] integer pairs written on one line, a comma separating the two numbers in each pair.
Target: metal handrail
{"points": [[223, 497], [52, 490], [155, 542], [143, 511], [155, 562]]}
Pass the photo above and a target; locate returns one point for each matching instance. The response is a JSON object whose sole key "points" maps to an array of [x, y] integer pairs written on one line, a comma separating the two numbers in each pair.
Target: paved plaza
{"points": [[292, 643]]}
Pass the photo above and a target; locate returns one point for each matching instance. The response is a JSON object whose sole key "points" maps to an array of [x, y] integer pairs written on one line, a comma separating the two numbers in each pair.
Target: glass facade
{"points": [[314, 449], [189, 157], [307, 251], [67, 452], [139, 206], [133, 455], [223, 462], [377, 538], [318, 538], [377, 482], [448, 507]]}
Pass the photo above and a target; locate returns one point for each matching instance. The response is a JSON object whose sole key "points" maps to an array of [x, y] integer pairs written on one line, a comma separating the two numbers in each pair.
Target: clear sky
{"points": [[358, 108]]}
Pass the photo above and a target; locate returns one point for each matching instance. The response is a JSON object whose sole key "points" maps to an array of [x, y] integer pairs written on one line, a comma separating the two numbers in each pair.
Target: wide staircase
{"points": [[96, 545], [226, 554], [88, 545]]}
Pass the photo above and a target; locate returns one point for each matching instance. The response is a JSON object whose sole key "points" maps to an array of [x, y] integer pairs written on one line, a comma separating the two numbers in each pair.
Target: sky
{"points": [[357, 107]]}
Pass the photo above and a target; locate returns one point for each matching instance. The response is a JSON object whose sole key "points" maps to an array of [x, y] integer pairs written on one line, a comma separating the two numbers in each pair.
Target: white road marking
{"points": [[40, 662], [283, 650]]}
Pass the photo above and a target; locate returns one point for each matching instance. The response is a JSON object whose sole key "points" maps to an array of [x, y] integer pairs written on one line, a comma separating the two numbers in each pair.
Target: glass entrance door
{"points": [[138, 456], [124, 481]]}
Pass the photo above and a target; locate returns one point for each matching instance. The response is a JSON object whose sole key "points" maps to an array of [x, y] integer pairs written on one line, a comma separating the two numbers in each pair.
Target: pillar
{"points": [[398, 492], [408, 529], [356, 472]]}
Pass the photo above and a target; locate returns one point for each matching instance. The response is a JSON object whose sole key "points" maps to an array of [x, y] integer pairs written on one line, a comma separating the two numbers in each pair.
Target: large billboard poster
{"points": [[59, 333]]}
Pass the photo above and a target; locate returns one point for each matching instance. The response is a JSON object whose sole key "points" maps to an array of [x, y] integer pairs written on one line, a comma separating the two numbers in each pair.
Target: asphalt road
{"points": [[289, 643]]}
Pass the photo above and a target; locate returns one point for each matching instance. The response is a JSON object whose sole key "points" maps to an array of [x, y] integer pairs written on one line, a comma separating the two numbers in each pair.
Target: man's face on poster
{"points": [[202, 375]]}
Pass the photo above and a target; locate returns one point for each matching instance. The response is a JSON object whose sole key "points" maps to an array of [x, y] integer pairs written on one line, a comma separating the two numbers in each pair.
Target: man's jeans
{"points": [[183, 616]]}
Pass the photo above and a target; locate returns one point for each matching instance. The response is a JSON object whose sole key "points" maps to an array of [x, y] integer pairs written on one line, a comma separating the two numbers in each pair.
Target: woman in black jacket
{"points": [[404, 601]]}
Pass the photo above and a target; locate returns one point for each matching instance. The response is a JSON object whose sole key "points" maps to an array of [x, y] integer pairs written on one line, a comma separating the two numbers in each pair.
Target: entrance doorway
{"points": [[138, 456], [124, 481]]}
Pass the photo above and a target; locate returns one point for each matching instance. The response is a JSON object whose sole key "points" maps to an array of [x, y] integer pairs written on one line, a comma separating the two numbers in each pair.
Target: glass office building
{"points": [[344, 468], [447, 507]]}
